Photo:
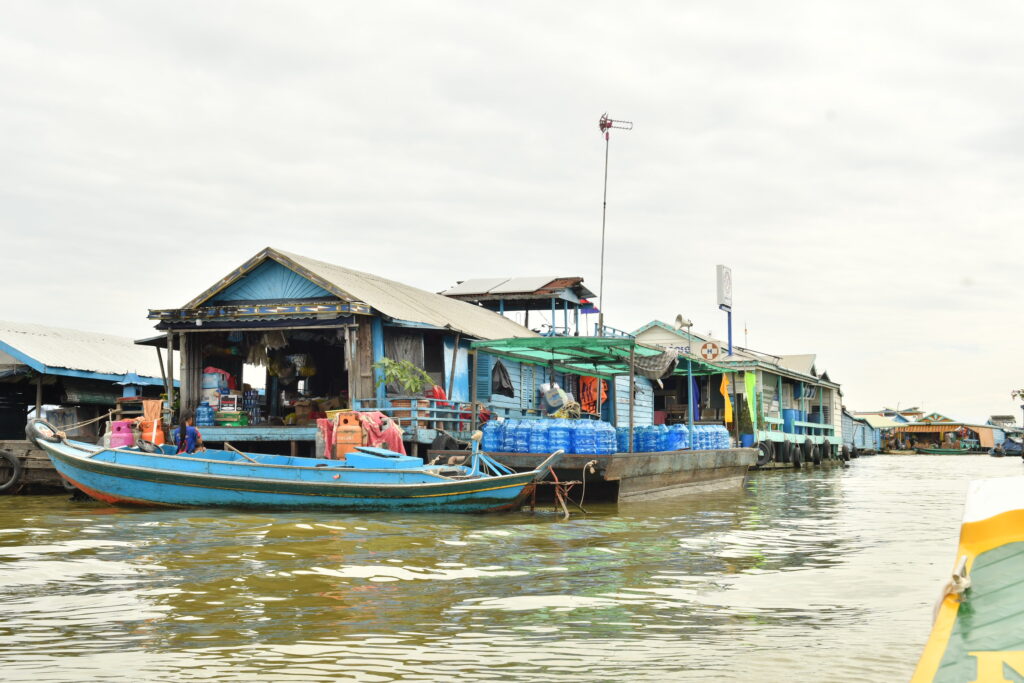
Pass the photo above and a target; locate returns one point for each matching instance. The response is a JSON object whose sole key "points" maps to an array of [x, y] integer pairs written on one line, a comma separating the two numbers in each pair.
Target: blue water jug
{"points": [[622, 439], [522, 436], [676, 437], [611, 438], [508, 436], [586, 438], [558, 436], [492, 436], [723, 437], [661, 434], [204, 415], [604, 438], [539, 436]]}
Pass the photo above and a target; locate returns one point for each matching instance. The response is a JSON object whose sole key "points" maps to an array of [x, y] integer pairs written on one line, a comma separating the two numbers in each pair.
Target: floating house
{"points": [[935, 429], [867, 433], [84, 373], [793, 402], [311, 332]]}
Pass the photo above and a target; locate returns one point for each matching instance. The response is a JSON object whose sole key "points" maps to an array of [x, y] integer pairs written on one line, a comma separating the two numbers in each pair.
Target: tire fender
{"points": [[14, 463]]}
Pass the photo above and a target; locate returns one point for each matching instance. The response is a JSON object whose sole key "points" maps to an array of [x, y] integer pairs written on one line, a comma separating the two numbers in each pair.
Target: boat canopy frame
{"points": [[601, 357]]}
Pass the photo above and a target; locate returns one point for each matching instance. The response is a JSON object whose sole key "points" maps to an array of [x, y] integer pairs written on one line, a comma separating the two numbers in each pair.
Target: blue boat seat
{"points": [[365, 457]]}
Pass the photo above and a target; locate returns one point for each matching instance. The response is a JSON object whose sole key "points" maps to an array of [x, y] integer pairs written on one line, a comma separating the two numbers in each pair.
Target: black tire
{"points": [[826, 449], [10, 471], [68, 486], [845, 453], [764, 453], [147, 446], [782, 449], [795, 455], [807, 451], [40, 430], [854, 453], [816, 455]]}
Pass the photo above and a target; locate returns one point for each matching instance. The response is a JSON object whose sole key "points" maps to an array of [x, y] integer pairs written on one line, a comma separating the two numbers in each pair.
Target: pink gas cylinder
{"points": [[121, 435]]}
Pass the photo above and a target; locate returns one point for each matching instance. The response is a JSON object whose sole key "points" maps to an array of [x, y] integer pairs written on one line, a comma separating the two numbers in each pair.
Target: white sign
{"points": [[724, 287], [709, 350]]}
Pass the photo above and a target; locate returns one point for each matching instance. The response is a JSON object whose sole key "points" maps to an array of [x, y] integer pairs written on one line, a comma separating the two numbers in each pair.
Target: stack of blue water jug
{"points": [[586, 437], [204, 415]]}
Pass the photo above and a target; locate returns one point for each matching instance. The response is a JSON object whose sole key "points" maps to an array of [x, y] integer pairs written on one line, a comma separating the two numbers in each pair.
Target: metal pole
{"points": [[729, 320], [689, 400], [736, 409], [632, 379], [600, 288], [39, 396]]}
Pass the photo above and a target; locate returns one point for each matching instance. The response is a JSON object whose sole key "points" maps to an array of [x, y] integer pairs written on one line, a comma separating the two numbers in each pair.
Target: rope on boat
{"points": [[956, 586], [76, 425]]}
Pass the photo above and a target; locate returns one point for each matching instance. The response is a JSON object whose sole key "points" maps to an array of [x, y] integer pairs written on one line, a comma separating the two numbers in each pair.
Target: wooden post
{"points": [[170, 375], [736, 408], [689, 401], [455, 359], [632, 380], [472, 392], [39, 397]]}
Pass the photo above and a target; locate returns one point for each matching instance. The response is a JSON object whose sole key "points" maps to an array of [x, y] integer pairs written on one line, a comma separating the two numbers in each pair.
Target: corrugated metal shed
{"points": [[394, 299], [60, 351]]}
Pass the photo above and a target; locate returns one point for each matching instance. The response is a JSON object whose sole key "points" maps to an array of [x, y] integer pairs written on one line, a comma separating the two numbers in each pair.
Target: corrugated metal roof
{"points": [[879, 422], [404, 302], [518, 285], [74, 350], [480, 285], [802, 363]]}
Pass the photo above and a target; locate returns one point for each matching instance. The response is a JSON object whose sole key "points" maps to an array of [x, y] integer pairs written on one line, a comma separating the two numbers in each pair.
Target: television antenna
{"points": [[605, 125]]}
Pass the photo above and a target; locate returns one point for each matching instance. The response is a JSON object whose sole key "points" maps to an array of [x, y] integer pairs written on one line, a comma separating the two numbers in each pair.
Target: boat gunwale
{"points": [[123, 469]]}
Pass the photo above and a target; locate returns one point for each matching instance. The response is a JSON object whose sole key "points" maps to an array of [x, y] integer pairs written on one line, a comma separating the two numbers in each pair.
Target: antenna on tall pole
{"points": [[605, 124]]}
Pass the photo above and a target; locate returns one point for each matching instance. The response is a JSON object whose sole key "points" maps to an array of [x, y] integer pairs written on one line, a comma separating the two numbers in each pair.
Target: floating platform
{"points": [[639, 476]]}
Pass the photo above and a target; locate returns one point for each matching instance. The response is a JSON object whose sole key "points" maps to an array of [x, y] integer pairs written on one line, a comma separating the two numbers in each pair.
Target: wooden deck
{"points": [[38, 473]]}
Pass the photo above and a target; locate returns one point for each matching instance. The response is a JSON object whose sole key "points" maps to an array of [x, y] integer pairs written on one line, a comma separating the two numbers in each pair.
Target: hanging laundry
{"points": [[725, 394], [501, 383], [589, 387]]}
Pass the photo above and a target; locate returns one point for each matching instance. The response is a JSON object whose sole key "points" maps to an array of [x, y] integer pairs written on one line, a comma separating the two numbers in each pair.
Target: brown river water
{"points": [[817, 575]]}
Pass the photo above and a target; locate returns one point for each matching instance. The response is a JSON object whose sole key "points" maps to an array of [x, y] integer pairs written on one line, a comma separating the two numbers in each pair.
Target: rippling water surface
{"points": [[815, 575]]}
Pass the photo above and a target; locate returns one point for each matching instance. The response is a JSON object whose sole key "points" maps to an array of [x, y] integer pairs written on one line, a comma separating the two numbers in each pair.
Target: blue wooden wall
{"points": [[860, 434], [271, 281]]}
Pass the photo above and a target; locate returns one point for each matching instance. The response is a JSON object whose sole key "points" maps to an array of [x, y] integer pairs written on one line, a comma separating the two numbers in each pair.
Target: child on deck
{"points": [[189, 439]]}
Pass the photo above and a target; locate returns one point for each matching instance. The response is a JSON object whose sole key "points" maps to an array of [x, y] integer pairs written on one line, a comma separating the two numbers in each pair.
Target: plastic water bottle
{"points": [[539, 436], [662, 434], [522, 436], [723, 440], [622, 439], [508, 436], [558, 436], [585, 438], [677, 437], [606, 439], [492, 436]]}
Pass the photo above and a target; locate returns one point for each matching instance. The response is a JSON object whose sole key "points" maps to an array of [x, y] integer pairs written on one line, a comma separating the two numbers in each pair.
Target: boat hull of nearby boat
{"points": [[229, 479], [943, 451], [978, 632]]}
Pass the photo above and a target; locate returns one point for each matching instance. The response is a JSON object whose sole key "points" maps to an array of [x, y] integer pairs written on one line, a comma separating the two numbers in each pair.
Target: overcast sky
{"points": [[859, 165]]}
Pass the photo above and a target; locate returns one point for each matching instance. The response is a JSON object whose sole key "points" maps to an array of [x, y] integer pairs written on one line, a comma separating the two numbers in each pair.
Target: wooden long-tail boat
{"points": [[371, 479]]}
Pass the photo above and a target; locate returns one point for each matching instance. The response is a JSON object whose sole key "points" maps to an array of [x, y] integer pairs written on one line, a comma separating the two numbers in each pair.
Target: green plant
{"points": [[405, 374]]}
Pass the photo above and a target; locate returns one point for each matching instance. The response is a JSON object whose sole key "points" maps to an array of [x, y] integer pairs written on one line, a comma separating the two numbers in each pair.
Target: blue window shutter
{"points": [[484, 363]]}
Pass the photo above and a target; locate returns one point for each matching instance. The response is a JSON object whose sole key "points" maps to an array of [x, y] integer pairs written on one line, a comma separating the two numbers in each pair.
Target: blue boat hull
{"points": [[224, 479]]}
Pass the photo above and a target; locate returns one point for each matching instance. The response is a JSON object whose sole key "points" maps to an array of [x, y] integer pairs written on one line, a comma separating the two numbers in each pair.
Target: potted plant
{"points": [[412, 380]]}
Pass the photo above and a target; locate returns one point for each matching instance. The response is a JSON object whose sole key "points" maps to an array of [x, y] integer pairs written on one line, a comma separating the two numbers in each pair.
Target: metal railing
{"points": [[413, 415]]}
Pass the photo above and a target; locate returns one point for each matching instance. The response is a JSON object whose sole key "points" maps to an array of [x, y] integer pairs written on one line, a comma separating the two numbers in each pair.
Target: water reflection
{"points": [[826, 575]]}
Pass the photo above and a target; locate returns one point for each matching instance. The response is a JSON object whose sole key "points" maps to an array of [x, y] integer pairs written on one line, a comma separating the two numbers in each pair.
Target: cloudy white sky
{"points": [[859, 165]]}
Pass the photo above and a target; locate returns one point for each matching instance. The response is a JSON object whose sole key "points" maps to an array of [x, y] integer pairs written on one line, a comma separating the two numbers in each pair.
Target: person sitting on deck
{"points": [[189, 439]]}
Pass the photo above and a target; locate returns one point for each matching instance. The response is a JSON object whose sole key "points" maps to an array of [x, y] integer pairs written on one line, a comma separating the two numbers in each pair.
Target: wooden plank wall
{"points": [[643, 410]]}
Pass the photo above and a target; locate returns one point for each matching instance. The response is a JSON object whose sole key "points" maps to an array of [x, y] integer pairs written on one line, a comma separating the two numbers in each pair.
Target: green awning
{"points": [[603, 357]]}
